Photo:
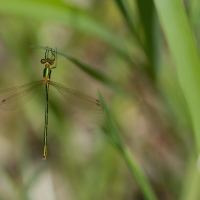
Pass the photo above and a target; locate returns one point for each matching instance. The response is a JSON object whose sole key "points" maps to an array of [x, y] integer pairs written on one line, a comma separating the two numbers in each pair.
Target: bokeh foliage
{"points": [[142, 57]]}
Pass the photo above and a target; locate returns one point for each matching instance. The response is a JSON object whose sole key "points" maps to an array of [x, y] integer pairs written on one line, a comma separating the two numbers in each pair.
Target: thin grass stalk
{"points": [[113, 137]]}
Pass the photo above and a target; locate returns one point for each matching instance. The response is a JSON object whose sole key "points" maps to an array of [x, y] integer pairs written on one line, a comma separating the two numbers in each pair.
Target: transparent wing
{"points": [[12, 98], [79, 99]]}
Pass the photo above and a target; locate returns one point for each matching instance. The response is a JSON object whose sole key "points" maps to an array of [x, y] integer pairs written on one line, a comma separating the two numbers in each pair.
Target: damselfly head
{"points": [[50, 58], [47, 60]]}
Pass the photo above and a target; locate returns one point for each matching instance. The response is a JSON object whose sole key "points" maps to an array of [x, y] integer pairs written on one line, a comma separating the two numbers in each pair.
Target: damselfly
{"points": [[15, 97]]}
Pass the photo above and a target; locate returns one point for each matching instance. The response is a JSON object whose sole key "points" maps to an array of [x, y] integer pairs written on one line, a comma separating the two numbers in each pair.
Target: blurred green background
{"points": [[142, 57]]}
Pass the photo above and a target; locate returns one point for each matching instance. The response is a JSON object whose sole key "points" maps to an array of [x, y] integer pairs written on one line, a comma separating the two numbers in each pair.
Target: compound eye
{"points": [[43, 61]]}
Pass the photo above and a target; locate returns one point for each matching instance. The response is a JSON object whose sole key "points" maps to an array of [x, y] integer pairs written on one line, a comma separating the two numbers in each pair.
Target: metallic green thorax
{"points": [[47, 73]]}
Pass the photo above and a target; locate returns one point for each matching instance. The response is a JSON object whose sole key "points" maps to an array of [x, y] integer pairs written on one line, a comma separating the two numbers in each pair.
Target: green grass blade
{"points": [[113, 137], [126, 12], [190, 188], [180, 40], [68, 15], [148, 20], [181, 44]]}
